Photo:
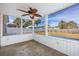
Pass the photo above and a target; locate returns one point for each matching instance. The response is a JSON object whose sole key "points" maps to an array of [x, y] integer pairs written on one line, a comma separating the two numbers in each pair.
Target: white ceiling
{"points": [[43, 8]]}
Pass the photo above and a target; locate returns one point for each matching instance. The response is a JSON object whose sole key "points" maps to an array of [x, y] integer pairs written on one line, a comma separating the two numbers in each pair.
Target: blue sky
{"points": [[69, 14], [42, 23], [11, 19]]}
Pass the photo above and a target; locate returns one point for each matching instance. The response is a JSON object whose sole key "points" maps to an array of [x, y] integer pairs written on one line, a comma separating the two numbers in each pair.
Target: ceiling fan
{"points": [[32, 12]]}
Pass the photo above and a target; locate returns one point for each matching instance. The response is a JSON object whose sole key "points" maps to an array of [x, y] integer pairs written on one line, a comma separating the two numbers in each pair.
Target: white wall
{"points": [[66, 46], [7, 40], [1, 23]]}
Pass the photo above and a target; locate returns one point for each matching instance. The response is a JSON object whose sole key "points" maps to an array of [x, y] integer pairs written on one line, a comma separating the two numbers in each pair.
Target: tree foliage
{"points": [[17, 22], [37, 22], [64, 25], [28, 23]]}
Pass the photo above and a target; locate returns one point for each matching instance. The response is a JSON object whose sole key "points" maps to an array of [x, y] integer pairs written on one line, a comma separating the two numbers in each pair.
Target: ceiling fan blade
{"points": [[37, 15], [22, 10], [25, 14]]}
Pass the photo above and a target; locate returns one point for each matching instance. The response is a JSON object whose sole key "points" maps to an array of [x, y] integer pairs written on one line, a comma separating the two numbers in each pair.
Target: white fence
{"points": [[64, 30]]}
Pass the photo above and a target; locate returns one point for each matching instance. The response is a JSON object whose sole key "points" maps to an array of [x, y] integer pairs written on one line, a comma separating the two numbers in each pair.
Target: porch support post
{"points": [[1, 27], [21, 25], [33, 27], [46, 25]]}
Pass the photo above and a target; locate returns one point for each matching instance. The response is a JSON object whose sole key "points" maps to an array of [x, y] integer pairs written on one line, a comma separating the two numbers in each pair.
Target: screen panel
{"points": [[13, 25], [27, 26], [64, 23], [40, 26]]}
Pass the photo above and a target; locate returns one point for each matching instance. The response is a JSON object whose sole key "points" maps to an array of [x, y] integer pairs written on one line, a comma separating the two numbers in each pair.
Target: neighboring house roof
{"points": [[11, 25]]}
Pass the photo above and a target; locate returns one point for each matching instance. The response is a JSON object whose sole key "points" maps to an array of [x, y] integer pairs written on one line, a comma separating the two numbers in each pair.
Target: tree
{"points": [[17, 22], [62, 24], [72, 24], [28, 23], [37, 22], [69, 25]]}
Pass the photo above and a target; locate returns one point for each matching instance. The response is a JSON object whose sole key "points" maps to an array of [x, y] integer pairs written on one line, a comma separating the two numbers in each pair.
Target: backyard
{"points": [[60, 34]]}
